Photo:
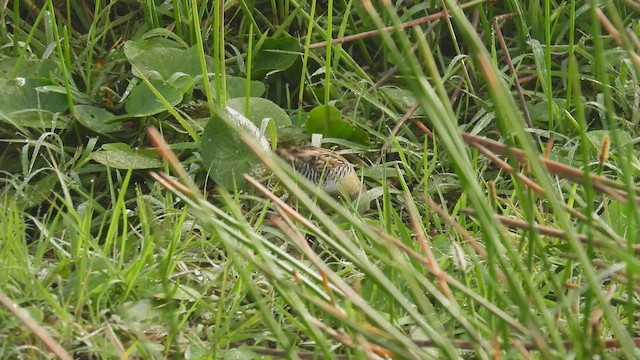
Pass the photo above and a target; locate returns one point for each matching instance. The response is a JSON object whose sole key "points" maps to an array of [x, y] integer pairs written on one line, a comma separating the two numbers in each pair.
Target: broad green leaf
{"points": [[180, 66], [327, 120], [597, 137], [403, 99], [24, 102], [142, 102], [97, 280], [46, 68], [619, 219], [37, 119], [151, 57], [121, 156], [319, 92], [97, 119], [37, 192], [197, 351], [539, 111], [143, 310], [259, 109], [237, 87], [275, 55], [223, 153], [240, 354]]}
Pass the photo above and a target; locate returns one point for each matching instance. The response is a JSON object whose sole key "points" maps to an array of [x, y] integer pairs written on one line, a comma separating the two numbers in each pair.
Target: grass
{"points": [[521, 247]]}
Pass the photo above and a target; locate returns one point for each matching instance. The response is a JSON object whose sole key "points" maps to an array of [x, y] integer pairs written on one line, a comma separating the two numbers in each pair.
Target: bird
{"points": [[330, 171]]}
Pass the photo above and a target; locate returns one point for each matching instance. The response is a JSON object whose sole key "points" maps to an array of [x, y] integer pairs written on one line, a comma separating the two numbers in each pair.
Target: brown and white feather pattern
{"points": [[332, 172]]}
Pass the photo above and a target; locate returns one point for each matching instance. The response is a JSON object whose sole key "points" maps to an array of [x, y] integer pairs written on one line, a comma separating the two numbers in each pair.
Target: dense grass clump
{"points": [[145, 215]]}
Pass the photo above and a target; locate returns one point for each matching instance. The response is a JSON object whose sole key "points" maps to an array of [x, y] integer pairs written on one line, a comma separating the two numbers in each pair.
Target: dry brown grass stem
{"points": [[38, 331], [512, 69], [367, 34], [425, 246], [550, 231], [599, 183], [458, 344]]}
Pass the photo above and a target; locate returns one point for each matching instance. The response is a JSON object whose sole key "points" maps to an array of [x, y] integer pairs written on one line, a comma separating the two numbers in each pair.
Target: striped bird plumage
{"points": [[331, 171]]}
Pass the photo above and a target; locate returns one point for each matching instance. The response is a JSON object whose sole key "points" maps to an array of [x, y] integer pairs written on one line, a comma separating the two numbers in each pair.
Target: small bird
{"points": [[332, 172]]}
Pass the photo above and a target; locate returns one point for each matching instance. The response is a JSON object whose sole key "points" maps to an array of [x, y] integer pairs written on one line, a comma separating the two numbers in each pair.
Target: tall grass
{"points": [[525, 247]]}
